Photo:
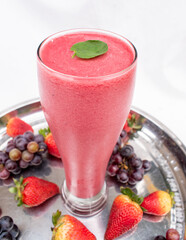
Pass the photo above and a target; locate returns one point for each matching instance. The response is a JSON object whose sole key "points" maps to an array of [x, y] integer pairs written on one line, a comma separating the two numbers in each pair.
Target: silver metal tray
{"points": [[154, 142]]}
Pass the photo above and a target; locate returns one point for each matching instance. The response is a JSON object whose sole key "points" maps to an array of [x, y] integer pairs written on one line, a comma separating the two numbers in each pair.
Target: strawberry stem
{"points": [[134, 197], [17, 190], [172, 198], [55, 217], [44, 131]]}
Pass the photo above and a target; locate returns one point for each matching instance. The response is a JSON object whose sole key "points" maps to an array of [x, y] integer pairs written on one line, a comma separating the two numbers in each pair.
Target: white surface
{"points": [[157, 29]]}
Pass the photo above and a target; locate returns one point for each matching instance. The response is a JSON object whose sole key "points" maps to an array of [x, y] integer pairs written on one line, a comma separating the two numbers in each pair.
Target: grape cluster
{"points": [[125, 165], [8, 230], [171, 234], [21, 152]]}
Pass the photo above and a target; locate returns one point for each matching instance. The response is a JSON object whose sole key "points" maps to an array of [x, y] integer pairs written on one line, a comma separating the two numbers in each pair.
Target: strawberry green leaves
{"points": [[55, 217], [44, 131], [89, 49], [17, 190], [134, 197]]}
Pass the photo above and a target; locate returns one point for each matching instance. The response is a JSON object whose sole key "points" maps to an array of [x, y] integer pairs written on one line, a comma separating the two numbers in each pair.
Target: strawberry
{"points": [[131, 123], [158, 203], [49, 140], [125, 214], [33, 191], [67, 227], [16, 126]]}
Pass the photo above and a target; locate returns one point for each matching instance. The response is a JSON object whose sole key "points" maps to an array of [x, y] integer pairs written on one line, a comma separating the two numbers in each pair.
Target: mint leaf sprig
{"points": [[89, 49]]}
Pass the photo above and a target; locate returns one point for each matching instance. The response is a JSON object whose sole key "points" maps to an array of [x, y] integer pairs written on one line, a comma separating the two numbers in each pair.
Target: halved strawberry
{"points": [[49, 140], [16, 126]]}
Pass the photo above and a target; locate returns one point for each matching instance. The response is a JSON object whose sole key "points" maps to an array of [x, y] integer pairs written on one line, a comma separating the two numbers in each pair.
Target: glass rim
{"points": [[100, 77]]}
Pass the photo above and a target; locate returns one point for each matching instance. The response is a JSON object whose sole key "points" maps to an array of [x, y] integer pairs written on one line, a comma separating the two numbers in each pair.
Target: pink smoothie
{"points": [[86, 103]]}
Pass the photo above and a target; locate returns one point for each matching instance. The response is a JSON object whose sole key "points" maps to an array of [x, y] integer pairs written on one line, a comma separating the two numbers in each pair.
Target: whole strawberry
{"points": [[16, 126], [49, 140], [125, 214], [158, 203], [131, 124], [33, 191], [67, 227]]}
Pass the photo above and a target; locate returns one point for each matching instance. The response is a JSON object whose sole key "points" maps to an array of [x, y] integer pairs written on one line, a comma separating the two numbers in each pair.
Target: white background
{"points": [[156, 27]]}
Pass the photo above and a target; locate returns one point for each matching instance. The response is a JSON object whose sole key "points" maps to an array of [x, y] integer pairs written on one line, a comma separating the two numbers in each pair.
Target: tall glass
{"points": [[86, 115]]}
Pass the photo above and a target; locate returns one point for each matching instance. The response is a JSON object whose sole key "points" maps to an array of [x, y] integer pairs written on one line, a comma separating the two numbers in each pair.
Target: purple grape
{"points": [[4, 174], [6, 223], [3, 157], [17, 171], [122, 176], [42, 147], [136, 175], [117, 159], [17, 137], [36, 161], [29, 136], [127, 151], [123, 133], [131, 181], [6, 236], [11, 165], [160, 238], [21, 144], [142, 171], [146, 165], [112, 170], [10, 142], [115, 150], [39, 138], [14, 231], [119, 142], [136, 163], [172, 234], [23, 164], [9, 148]]}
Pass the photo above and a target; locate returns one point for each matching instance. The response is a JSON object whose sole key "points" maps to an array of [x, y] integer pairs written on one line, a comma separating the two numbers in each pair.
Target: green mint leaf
{"points": [[89, 49]]}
